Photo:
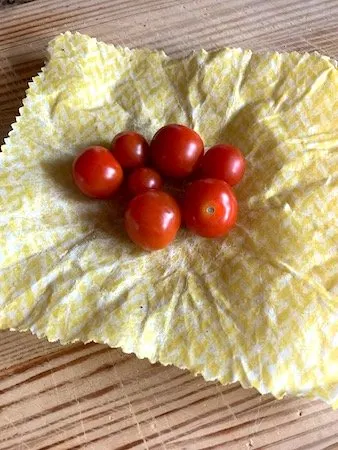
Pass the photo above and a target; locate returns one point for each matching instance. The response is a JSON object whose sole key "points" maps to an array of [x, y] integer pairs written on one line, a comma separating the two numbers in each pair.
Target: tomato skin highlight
{"points": [[175, 150], [97, 173], [209, 208], [224, 162], [152, 220], [130, 149], [144, 179]]}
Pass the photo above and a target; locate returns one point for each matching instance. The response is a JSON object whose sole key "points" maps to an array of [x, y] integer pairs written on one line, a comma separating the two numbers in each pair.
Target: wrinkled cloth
{"points": [[259, 306]]}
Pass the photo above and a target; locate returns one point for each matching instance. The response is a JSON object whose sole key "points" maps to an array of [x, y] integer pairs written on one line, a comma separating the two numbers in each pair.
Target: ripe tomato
{"points": [[224, 162], [152, 220], [209, 207], [97, 173], [175, 150], [144, 179], [130, 149]]}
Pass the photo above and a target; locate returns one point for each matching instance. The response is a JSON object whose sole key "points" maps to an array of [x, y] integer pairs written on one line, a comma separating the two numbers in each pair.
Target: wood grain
{"points": [[68, 397], [94, 397]]}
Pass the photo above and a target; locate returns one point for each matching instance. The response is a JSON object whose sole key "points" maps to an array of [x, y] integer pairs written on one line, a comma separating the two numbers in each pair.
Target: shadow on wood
{"points": [[15, 76]]}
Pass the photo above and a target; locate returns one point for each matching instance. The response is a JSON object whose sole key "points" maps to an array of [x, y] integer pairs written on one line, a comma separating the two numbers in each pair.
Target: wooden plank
{"points": [[94, 397], [66, 397]]}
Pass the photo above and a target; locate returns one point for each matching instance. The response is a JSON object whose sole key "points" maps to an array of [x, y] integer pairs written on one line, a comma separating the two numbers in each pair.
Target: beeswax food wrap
{"points": [[259, 306]]}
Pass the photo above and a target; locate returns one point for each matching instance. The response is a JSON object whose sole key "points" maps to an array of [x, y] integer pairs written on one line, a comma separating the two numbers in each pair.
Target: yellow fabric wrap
{"points": [[258, 306]]}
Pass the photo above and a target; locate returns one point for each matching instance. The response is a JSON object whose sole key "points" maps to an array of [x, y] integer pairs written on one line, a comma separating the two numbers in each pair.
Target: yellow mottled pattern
{"points": [[259, 306]]}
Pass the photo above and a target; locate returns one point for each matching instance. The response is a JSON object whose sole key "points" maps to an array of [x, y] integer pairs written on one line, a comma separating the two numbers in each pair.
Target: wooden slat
{"points": [[94, 397]]}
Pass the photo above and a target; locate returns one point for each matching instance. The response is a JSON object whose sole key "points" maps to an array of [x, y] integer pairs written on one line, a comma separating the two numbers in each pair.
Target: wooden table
{"points": [[94, 397]]}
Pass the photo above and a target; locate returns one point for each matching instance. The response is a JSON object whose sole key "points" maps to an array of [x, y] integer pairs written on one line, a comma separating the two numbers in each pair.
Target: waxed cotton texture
{"points": [[259, 306]]}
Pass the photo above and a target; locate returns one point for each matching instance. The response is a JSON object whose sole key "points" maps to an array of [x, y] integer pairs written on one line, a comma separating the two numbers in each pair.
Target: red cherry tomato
{"points": [[144, 179], [224, 162], [130, 149], [152, 220], [175, 150], [97, 173], [209, 208]]}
